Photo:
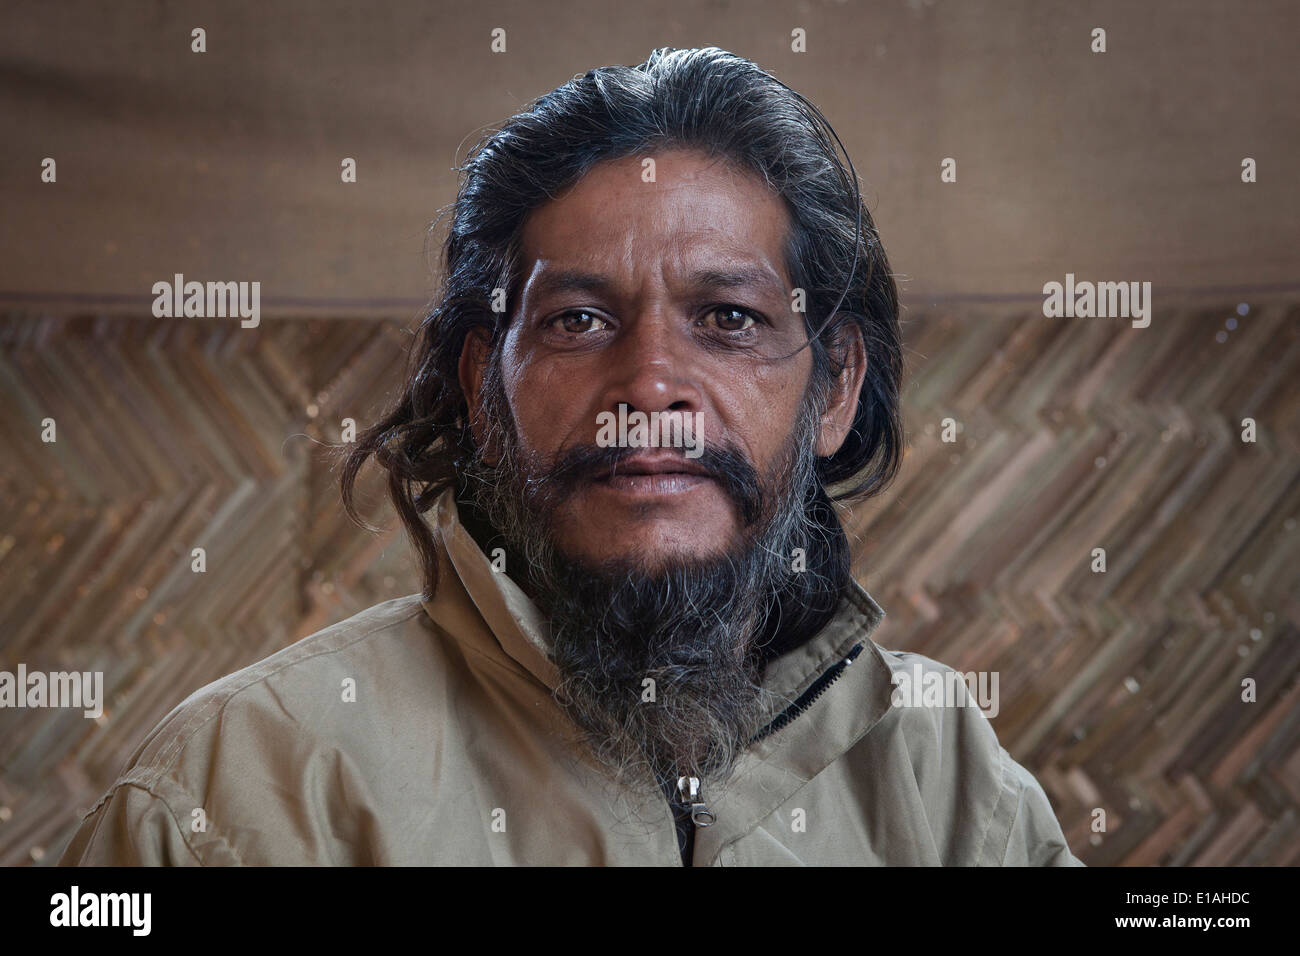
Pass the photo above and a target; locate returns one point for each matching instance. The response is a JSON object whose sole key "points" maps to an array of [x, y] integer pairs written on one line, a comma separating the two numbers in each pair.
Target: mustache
{"points": [[726, 464]]}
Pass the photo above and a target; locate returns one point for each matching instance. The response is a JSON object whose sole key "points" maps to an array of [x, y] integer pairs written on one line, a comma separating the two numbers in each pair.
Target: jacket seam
{"points": [[1009, 786], [176, 820]]}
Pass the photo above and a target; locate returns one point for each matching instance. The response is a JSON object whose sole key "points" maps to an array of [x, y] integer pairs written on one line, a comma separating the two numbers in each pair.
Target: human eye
{"points": [[578, 322], [730, 318]]}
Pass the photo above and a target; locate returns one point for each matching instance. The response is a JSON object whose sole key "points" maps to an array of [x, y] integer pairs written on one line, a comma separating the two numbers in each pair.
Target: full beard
{"points": [[660, 670]]}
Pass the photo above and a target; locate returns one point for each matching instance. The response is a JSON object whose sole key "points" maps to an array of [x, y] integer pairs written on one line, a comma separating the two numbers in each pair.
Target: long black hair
{"points": [[704, 99]]}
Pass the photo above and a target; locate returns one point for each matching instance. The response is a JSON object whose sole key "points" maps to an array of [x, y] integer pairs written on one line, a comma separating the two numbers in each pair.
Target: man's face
{"points": [[668, 296], [663, 297]]}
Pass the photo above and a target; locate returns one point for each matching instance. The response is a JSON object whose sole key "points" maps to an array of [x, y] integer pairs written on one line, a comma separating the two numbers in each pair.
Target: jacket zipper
{"points": [[689, 809], [690, 812], [805, 700]]}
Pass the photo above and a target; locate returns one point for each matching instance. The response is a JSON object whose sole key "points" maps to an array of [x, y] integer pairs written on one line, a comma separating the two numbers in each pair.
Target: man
{"points": [[666, 329]]}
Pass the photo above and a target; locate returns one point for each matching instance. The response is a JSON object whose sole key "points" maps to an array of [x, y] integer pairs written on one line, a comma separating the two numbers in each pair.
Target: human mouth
{"points": [[654, 475]]}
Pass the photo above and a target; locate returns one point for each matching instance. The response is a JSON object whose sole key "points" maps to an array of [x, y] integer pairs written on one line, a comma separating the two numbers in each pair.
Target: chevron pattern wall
{"points": [[1120, 690]]}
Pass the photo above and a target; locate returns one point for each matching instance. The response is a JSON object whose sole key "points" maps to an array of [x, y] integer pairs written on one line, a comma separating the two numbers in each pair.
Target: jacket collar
{"points": [[509, 613], [774, 767]]}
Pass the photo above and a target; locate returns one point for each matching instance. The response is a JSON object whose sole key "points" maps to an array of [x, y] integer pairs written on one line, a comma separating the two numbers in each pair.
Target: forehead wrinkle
{"points": [[720, 275], [664, 245]]}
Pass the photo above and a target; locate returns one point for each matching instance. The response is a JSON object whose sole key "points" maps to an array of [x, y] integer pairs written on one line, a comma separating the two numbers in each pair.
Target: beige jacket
{"points": [[424, 733]]}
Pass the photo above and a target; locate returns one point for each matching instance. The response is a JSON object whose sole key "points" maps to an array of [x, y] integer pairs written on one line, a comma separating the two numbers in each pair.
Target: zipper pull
{"points": [[688, 789]]}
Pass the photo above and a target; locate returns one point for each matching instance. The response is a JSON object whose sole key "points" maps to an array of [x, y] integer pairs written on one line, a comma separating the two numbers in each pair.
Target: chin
{"points": [[649, 548]]}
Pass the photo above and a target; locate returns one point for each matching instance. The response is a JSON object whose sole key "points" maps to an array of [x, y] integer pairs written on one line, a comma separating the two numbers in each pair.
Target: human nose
{"points": [[651, 367]]}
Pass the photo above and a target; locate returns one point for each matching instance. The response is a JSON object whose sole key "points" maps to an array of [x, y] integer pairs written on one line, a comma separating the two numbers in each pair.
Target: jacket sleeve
{"points": [[130, 827], [1036, 838]]}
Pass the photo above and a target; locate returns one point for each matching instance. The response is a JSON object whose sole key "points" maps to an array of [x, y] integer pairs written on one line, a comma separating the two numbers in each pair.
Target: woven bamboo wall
{"points": [[1120, 691]]}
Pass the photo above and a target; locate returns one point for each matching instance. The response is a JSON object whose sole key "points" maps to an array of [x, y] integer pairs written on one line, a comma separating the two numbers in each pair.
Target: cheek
{"points": [[546, 407], [767, 404]]}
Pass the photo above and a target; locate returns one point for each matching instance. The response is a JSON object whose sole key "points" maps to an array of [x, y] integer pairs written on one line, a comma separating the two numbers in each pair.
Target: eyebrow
{"points": [[576, 280]]}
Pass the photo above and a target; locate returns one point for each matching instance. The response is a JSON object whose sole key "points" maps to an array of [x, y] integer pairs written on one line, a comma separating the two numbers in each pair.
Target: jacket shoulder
{"points": [[933, 707], [983, 807], [237, 748], [298, 684]]}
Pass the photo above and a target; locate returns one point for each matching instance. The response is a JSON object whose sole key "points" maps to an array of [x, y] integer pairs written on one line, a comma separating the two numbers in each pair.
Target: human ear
{"points": [[848, 354], [474, 354]]}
